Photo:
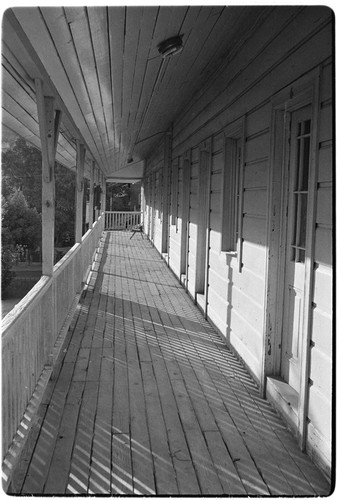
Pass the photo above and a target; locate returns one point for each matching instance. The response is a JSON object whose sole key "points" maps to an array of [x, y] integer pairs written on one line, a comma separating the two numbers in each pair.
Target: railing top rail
{"points": [[25, 304], [123, 212]]}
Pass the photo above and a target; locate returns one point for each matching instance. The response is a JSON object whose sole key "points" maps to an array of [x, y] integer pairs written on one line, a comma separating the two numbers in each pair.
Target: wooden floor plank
{"points": [[227, 473], [100, 470], [186, 475], [47, 438], [121, 471], [165, 477], [57, 479], [147, 399], [81, 456]]}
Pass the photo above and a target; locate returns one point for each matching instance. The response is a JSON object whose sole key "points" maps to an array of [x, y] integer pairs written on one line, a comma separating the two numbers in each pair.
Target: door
{"points": [[295, 252]]}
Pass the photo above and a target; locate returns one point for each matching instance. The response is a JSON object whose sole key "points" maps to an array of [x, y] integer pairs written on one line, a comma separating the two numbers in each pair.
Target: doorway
{"points": [[294, 235]]}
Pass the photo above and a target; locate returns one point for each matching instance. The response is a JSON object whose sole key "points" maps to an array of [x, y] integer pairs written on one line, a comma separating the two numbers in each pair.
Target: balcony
{"points": [[141, 395]]}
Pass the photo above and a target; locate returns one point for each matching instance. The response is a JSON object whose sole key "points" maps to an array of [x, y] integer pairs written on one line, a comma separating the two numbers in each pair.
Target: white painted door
{"points": [[297, 208]]}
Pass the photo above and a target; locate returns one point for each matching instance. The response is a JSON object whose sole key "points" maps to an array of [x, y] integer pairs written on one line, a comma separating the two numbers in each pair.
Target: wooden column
{"points": [[91, 195], [49, 125], [80, 157], [142, 203], [103, 201]]}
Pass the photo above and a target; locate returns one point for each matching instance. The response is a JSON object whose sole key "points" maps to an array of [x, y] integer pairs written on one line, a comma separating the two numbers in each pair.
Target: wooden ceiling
{"points": [[103, 66]]}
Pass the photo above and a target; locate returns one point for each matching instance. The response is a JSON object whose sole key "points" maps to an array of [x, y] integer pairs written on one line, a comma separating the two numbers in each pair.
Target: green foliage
{"points": [[22, 222], [7, 274], [64, 206], [123, 197], [7, 255], [22, 171]]}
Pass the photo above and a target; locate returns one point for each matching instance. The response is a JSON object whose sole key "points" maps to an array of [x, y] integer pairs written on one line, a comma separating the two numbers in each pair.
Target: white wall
{"points": [[289, 44]]}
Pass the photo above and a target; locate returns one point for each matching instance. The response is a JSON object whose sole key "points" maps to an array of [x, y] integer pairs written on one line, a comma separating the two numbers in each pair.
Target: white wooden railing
{"points": [[122, 220], [32, 331]]}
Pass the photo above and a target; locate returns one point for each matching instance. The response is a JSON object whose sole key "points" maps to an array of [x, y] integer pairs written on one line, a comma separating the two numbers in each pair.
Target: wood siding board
{"points": [[254, 257], [257, 146], [325, 123], [322, 322], [325, 163], [319, 412], [255, 201], [254, 233], [322, 290], [256, 173], [321, 377], [326, 81], [324, 204], [315, 443]]}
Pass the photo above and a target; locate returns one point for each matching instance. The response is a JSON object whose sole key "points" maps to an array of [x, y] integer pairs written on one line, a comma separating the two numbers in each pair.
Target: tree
{"points": [[65, 183], [22, 222], [123, 197], [7, 255], [22, 171]]}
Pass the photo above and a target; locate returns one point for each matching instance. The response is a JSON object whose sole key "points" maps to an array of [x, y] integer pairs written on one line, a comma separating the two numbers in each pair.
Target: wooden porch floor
{"points": [[149, 400]]}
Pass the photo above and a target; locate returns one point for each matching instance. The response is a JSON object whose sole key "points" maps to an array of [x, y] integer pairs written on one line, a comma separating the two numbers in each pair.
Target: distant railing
{"points": [[32, 331], [122, 220]]}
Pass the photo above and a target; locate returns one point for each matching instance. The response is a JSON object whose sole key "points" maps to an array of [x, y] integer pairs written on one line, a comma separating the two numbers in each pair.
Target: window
{"points": [[300, 191], [232, 190]]}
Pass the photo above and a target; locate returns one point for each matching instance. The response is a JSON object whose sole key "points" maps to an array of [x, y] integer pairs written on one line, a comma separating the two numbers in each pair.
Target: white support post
{"points": [[142, 203], [91, 195], [80, 157], [49, 124], [103, 199]]}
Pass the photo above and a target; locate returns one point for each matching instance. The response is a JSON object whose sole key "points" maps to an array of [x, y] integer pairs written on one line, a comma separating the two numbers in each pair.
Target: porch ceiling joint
{"points": [[49, 126]]}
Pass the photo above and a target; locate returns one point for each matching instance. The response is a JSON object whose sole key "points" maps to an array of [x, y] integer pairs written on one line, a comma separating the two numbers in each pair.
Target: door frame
{"points": [[305, 91], [202, 239]]}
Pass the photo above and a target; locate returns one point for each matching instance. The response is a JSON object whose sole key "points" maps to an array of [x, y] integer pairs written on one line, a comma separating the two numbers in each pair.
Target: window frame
{"points": [[232, 190]]}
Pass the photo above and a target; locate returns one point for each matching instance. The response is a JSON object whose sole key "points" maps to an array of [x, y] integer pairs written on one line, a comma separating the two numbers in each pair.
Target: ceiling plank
{"points": [[98, 21], [93, 112], [177, 93], [132, 34], [116, 21], [35, 29]]}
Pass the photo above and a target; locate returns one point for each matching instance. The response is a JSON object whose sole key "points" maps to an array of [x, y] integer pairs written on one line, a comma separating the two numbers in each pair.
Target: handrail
{"points": [[119, 220], [33, 328]]}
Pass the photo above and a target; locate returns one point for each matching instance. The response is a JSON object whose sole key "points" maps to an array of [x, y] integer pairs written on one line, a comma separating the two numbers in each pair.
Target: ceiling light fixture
{"points": [[171, 46]]}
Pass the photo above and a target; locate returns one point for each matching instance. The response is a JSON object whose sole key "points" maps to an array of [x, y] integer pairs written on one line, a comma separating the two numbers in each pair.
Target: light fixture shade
{"points": [[171, 46]]}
